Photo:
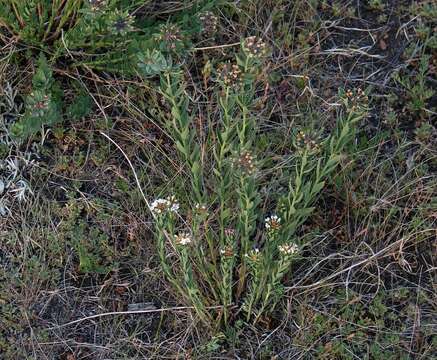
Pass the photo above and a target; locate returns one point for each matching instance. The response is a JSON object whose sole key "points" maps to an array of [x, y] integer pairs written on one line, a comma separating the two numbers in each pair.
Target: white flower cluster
{"points": [[183, 239], [253, 255], [272, 222], [229, 232], [160, 206], [227, 251], [288, 249], [201, 209], [254, 47]]}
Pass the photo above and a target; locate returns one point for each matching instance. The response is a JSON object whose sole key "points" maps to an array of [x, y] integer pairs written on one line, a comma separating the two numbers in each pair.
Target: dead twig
{"points": [[112, 313]]}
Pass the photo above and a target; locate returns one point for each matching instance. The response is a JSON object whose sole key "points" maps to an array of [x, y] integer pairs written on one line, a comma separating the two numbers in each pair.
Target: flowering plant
{"points": [[219, 248]]}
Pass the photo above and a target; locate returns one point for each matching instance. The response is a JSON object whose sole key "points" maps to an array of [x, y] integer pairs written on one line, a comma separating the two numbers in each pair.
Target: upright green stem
{"points": [[192, 291]]}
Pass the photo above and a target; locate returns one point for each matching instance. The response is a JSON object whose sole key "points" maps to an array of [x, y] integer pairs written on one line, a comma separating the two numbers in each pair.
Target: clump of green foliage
{"points": [[221, 249], [370, 328], [71, 24], [417, 92], [43, 104], [39, 21], [95, 254], [99, 34]]}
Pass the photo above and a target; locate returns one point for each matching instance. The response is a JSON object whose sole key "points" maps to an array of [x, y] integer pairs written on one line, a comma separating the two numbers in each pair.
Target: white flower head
{"points": [[272, 222], [201, 209], [183, 239], [253, 255], [174, 205], [229, 232], [227, 251], [288, 249], [254, 47], [160, 206]]}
